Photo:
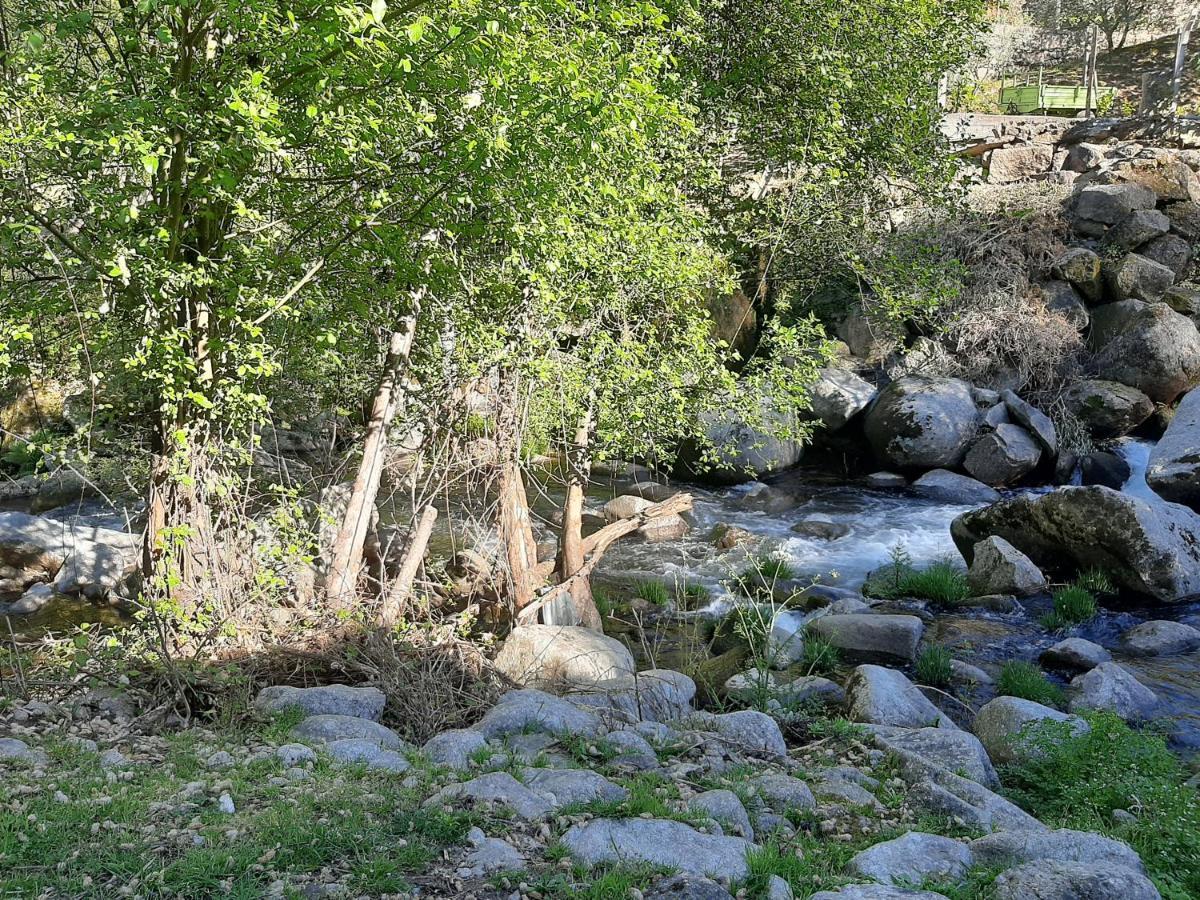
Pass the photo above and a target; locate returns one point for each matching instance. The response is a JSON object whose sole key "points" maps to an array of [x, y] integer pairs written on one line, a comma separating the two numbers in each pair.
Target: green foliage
{"points": [[654, 592], [1076, 781], [819, 656], [1096, 581], [762, 574], [933, 666], [694, 596], [1073, 605], [942, 582], [1019, 678]]}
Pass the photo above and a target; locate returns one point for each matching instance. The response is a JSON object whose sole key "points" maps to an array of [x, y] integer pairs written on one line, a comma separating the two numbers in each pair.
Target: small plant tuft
{"points": [[1096, 581], [654, 592], [1019, 678], [1073, 605], [819, 656], [933, 666]]}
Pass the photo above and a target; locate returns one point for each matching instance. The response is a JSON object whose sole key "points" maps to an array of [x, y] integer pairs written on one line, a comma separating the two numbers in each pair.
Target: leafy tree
{"points": [[1115, 18]]}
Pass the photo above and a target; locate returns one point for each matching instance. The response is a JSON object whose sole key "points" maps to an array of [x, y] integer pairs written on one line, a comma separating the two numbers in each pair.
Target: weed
{"points": [[819, 656], [694, 596], [943, 583], [1073, 605], [933, 666], [654, 592], [1025, 680], [1096, 581], [761, 576]]}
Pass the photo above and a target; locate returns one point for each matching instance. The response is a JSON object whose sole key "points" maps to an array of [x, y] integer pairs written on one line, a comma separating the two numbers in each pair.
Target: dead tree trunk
{"points": [[347, 553], [577, 607], [401, 588]]}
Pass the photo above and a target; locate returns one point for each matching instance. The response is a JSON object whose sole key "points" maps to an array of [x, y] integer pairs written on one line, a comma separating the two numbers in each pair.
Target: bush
{"points": [[1025, 680], [654, 592], [933, 666], [1076, 781], [1072, 606], [943, 583], [819, 656]]}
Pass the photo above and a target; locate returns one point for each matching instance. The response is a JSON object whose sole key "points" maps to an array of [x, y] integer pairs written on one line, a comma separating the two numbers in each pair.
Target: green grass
{"points": [[1076, 781], [604, 603], [1096, 581], [605, 883], [762, 574], [933, 666], [366, 826], [943, 583], [694, 596], [654, 592], [819, 656], [1073, 605], [1025, 680]]}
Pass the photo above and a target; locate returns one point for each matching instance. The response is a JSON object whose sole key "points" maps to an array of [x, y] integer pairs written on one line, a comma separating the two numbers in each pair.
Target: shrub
{"points": [[943, 583], [1072, 606], [819, 656], [933, 666], [1076, 781], [1025, 680], [654, 592]]}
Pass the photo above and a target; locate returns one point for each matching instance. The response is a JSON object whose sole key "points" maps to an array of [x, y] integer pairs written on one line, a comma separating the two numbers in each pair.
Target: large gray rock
{"points": [[1000, 568], [454, 749], [655, 695], [1074, 654], [838, 396], [921, 422], [1011, 848], [875, 892], [1046, 879], [1006, 727], [941, 484], [566, 787], [880, 696], [1023, 162], [751, 449], [1173, 471], [35, 598], [1139, 227], [1110, 686], [497, 788], [556, 655], [1033, 420], [1108, 408], [533, 710], [913, 858], [75, 557], [325, 728], [1108, 204], [871, 636], [1157, 351], [1003, 456], [687, 887], [746, 730], [725, 808], [366, 752], [1081, 268], [658, 842], [782, 793], [1134, 277], [490, 855], [1160, 638], [1061, 297], [1171, 251], [952, 750], [1152, 549], [329, 699]]}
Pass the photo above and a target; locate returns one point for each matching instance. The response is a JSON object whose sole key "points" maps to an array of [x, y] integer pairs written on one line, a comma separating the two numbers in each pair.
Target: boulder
{"points": [[1102, 467], [1183, 299], [1000, 568], [1003, 456], [1171, 251], [912, 859], [568, 787], [1074, 654], [871, 636], [490, 855], [838, 396], [747, 449], [1110, 686], [747, 730], [1059, 880], [865, 340], [330, 699], [950, 749], [551, 655], [1081, 267], [625, 506], [1012, 848], [1108, 408], [921, 422], [1185, 220], [1160, 638], [454, 749], [495, 788], [1159, 171], [536, 711], [1151, 549], [663, 528], [875, 892], [655, 695], [327, 728], [687, 887], [1173, 471], [1134, 277], [1019, 163], [1107, 204], [941, 484], [725, 808], [1084, 157], [1005, 727], [1062, 298], [821, 529], [34, 598], [880, 696], [366, 752], [657, 842], [1139, 227], [75, 557], [1033, 420], [782, 792]]}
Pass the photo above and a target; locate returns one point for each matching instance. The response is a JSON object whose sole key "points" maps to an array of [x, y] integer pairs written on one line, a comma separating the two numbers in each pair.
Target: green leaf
{"points": [[378, 10]]}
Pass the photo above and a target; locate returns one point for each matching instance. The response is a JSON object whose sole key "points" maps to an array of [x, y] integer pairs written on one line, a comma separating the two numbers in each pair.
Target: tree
{"points": [[1115, 18]]}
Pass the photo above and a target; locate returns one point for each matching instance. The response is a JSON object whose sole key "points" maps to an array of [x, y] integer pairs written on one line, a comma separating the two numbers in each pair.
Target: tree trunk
{"points": [[347, 553], [401, 588], [516, 533], [578, 607]]}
